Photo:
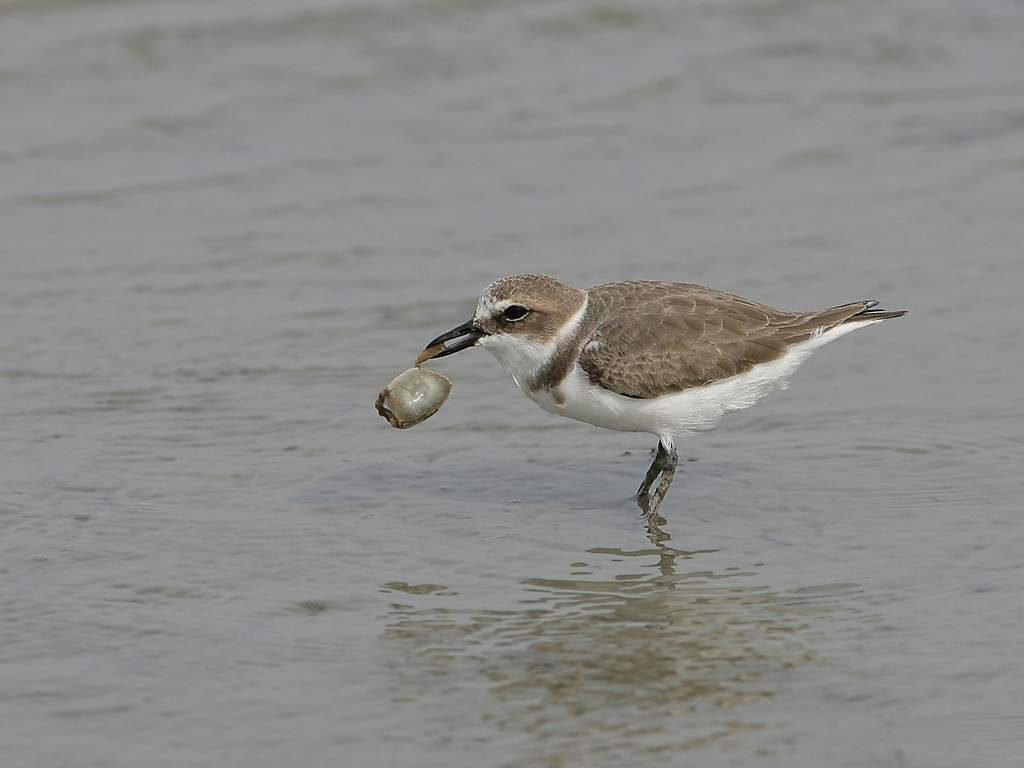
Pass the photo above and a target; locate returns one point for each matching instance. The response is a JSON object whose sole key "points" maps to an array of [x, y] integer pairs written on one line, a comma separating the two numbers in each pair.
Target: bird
{"points": [[665, 358]]}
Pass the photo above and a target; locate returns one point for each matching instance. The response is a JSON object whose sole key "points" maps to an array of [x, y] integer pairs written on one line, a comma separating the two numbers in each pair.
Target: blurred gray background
{"points": [[226, 225]]}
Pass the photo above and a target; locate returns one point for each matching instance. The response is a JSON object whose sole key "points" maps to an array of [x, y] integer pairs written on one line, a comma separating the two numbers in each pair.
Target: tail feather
{"points": [[870, 314], [813, 324]]}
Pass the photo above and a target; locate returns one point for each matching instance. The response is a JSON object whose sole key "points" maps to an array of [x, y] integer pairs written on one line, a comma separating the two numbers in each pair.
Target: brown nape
{"points": [[533, 287], [550, 303]]}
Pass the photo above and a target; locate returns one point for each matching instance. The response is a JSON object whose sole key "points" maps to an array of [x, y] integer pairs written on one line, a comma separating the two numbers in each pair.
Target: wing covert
{"points": [[670, 336]]}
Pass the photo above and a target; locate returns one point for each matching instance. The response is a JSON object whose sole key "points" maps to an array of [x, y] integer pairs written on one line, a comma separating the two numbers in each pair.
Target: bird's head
{"points": [[522, 312]]}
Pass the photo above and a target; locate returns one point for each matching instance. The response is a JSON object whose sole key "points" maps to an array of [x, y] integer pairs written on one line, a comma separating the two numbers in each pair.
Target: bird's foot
{"points": [[649, 505], [655, 532]]}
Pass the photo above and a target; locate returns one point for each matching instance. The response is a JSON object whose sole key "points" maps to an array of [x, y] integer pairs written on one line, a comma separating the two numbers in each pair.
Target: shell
{"points": [[413, 396]]}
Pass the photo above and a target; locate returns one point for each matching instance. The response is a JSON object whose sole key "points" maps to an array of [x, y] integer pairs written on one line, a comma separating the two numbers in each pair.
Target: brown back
{"points": [[674, 336]]}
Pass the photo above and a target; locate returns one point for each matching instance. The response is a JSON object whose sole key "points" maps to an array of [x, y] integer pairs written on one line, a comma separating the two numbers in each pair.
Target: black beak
{"points": [[469, 333]]}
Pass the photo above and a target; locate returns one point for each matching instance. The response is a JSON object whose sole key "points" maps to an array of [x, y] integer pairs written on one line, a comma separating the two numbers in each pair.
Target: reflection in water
{"points": [[603, 669]]}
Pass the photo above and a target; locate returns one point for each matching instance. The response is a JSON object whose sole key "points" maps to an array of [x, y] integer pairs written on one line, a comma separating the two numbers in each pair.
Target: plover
{"points": [[665, 358]]}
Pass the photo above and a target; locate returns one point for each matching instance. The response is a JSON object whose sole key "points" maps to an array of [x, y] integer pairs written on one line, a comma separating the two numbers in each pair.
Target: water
{"points": [[227, 226]]}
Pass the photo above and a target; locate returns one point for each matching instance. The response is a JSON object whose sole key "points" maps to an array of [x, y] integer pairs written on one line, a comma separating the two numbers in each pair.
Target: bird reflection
{"points": [[645, 653]]}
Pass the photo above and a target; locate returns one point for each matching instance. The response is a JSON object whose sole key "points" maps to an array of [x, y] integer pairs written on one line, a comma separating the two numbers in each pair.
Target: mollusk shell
{"points": [[413, 396]]}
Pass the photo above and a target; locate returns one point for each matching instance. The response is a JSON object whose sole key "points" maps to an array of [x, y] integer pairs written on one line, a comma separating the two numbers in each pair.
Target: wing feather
{"points": [[652, 339]]}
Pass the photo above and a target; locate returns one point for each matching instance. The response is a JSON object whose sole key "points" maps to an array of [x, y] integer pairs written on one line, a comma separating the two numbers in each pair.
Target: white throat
{"points": [[524, 358]]}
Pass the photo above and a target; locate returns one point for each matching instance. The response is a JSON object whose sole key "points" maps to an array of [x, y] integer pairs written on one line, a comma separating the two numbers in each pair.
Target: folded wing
{"points": [[654, 339]]}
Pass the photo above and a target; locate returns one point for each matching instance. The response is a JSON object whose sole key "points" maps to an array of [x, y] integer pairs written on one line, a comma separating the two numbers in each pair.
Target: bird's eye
{"points": [[514, 312]]}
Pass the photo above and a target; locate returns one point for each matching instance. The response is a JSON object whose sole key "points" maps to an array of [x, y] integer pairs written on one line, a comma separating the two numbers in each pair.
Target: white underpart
{"points": [[668, 416], [523, 358]]}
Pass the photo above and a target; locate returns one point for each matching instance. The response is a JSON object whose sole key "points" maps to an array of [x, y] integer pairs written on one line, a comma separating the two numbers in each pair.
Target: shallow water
{"points": [[227, 226]]}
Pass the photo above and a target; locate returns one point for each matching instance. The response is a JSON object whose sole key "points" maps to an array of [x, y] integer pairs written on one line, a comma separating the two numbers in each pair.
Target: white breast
{"points": [[524, 358]]}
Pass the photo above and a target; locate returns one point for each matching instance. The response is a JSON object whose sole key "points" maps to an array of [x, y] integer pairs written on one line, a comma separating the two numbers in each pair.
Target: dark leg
{"points": [[666, 480], [664, 464], [652, 472]]}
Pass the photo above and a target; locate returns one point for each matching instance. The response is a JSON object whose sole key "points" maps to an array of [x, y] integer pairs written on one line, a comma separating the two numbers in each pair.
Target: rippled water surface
{"points": [[227, 225]]}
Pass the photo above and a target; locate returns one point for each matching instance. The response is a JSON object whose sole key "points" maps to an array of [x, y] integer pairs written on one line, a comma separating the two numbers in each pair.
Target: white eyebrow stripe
{"points": [[488, 307]]}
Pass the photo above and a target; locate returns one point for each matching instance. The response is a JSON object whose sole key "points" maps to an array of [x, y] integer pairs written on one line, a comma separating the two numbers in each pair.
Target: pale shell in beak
{"points": [[412, 397]]}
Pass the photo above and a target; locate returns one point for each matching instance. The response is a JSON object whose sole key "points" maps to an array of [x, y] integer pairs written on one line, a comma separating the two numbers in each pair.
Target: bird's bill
{"points": [[467, 334]]}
